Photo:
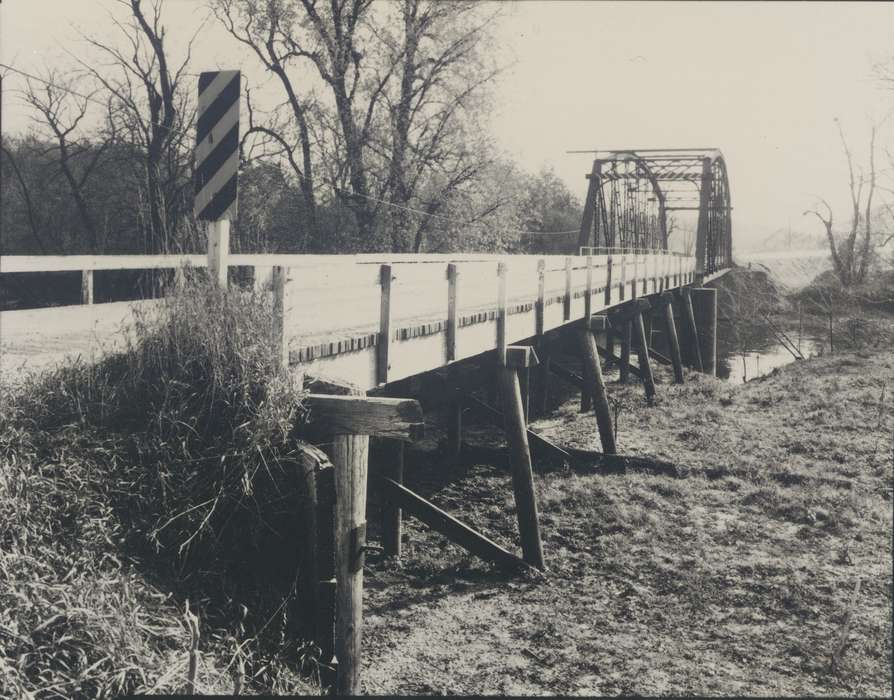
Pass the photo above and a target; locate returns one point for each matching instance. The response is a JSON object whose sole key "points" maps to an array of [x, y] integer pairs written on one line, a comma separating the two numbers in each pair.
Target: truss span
{"points": [[644, 199]]}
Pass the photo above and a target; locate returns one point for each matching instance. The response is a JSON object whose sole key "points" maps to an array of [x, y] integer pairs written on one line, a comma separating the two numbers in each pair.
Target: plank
{"points": [[454, 530], [366, 415]]}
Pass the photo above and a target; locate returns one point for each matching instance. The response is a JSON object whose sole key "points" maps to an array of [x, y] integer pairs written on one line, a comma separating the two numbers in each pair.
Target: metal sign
{"points": [[217, 145]]}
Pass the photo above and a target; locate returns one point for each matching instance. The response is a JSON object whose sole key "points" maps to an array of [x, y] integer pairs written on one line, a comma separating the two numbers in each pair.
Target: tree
{"points": [[391, 108], [152, 111], [851, 255]]}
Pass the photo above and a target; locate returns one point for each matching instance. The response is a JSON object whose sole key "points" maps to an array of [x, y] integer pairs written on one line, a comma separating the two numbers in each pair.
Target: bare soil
{"points": [[737, 579]]}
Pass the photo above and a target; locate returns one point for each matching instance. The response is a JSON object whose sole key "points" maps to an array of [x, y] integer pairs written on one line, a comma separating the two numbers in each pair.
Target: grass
{"points": [[739, 578], [156, 480]]}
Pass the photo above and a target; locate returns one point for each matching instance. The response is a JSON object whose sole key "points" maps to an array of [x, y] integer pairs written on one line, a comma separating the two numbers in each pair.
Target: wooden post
{"points": [[541, 384], [86, 286], [704, 300], [326, 585], [626, 332], [608, 281], [278, 277], [384, 340], [566, 302], [350, 455], [501, 313], [695, 353], [586, 395], [593, 376], [262, 277], [673, 342], [452, 278], [393, 468], [645, 365], [623, 283], [522, 472], [218, 251], [635, 281], [454, 418]]}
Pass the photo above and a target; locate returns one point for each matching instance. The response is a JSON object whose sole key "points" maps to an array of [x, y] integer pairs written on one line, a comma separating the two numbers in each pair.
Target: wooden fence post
{"points": [[452, 282], [218, 251], [543, 374]]}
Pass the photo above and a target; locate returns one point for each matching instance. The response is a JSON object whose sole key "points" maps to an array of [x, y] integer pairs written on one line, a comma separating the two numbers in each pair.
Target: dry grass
{"points": [[157, 477], [739, 578]]}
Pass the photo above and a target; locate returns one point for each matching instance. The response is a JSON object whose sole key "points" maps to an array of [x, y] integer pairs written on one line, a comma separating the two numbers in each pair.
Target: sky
{"points": [[761, 81]]}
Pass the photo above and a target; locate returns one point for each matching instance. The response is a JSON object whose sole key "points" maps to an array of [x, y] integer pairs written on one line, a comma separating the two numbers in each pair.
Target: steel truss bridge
{"points": [[632, 191]]}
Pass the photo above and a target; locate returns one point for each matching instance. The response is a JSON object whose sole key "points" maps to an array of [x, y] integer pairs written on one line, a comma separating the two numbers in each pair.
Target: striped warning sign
{"points": [[217, 145]]}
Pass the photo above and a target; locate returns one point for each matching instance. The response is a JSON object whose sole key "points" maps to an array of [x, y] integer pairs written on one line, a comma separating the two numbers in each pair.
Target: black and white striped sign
{"points": [[217, 145]]}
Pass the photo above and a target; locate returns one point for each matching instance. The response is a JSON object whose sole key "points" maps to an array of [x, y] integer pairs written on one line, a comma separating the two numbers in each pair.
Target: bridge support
{"points": [[392, 517], [645, 364], [626, 333], [694, 353], [666, 300], [520, 357], [704, 302], [596, 385]]}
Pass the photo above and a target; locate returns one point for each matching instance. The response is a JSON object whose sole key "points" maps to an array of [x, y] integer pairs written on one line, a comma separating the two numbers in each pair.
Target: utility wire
{"points": [[447, 218]]}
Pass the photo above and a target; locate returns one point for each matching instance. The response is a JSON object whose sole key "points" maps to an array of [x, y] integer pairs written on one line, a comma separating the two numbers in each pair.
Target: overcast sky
{"points": [[760, 81]]}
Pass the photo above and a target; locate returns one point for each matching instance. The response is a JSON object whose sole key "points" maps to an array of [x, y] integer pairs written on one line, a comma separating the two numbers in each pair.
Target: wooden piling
{"points": [[452, 284], [645, 364], [522, 471], [695, 353], [392, 468], [350, 455], [278, 278], [673, 342], [704, 301], [626, 332], [593, 372]]}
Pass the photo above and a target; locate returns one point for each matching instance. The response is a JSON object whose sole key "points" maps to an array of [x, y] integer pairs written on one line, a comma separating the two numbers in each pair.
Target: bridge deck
{"points": [[332, 308]]}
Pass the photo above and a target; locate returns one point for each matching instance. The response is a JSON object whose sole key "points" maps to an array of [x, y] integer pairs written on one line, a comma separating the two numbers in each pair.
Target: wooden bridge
{"points": [[365, 322]]}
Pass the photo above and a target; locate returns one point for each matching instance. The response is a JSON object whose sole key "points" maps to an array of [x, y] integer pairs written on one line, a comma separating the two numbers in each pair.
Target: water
{"points": [[743, 355]]}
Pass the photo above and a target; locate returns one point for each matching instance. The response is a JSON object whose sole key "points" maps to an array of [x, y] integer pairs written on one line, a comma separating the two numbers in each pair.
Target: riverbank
{"points": [[766, 569]]}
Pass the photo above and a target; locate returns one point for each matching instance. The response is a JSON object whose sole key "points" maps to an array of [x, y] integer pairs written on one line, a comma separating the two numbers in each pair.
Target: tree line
{"points": [[377, 141]]}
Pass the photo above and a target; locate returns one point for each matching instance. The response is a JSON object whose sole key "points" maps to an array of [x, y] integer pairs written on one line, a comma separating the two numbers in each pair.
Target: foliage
{"points": [[164, 468]]}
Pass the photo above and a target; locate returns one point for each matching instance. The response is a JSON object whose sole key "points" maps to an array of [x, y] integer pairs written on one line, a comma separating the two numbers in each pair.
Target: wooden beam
{"points": [[624, 365], [695, 353], [278, 278], [454, 530], [539, 444], [614, 358], [608, 281], [571, 377], [541, 294], [519, 356], [367, 415], [653, 353]]}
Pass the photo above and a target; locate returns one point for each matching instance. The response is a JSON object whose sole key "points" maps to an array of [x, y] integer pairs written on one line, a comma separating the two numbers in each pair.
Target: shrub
{"points": [[167, 467]]}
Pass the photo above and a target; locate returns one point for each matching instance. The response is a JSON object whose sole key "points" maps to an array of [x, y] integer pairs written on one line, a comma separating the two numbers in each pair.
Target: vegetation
{"points": [[765, 568], [156, 482]]}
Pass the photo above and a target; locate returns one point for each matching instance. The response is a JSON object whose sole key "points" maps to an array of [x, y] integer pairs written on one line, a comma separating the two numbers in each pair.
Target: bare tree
{"points": [[152, 110], [850, 262], [61, 111], [400, 84]]}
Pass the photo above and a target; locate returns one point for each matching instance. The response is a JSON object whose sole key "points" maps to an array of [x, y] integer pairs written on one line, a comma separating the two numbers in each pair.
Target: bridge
{"points": [[366, 322]]}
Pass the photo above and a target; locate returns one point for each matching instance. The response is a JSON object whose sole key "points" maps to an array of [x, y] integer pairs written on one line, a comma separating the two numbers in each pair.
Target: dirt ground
{"points": [[764, 570]]}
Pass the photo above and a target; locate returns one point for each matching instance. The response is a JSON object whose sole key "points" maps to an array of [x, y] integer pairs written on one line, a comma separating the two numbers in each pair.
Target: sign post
{"points": [[217, 164]]}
